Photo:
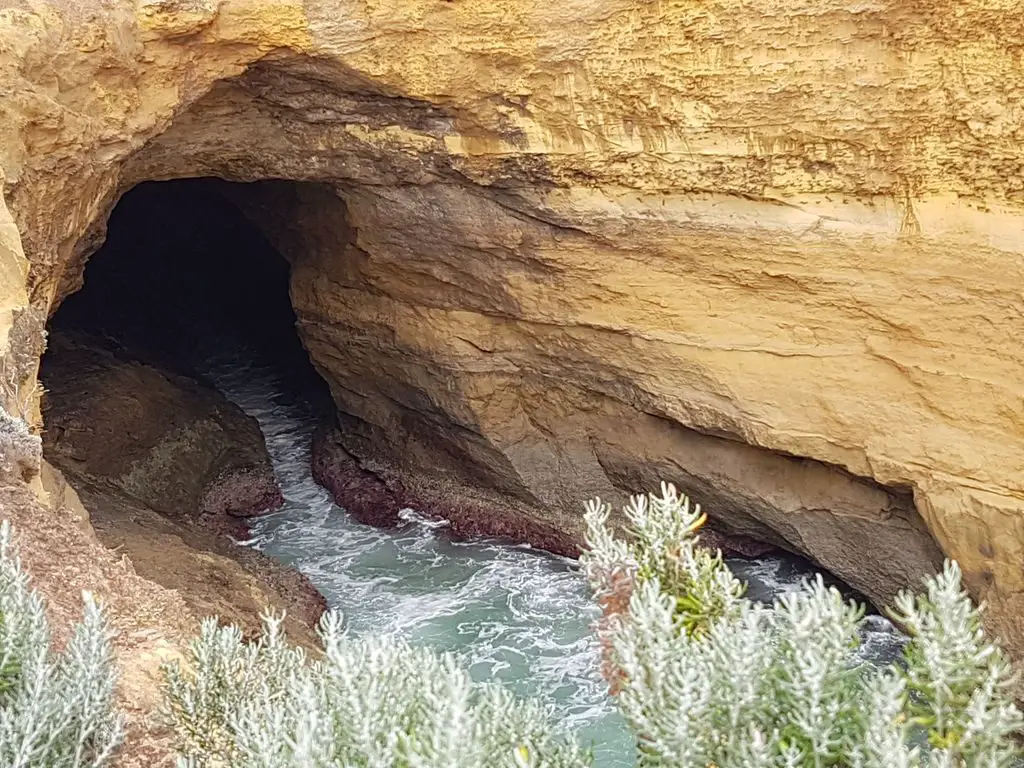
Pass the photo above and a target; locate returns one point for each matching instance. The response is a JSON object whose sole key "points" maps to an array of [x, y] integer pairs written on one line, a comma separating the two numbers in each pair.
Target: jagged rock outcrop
{"points": [[770, 249]]}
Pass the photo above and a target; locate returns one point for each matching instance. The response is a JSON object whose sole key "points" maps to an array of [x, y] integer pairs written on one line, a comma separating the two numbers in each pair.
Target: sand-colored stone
{"points": [[794, 226]]}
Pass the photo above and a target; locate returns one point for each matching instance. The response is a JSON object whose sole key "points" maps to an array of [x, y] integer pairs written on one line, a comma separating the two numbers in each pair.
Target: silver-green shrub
{"points": [[371, 702], [56, 710], [706, 677]]}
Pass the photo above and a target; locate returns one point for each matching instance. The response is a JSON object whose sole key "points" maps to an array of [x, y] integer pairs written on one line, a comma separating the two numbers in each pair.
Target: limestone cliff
{"points": [[772, 250]]}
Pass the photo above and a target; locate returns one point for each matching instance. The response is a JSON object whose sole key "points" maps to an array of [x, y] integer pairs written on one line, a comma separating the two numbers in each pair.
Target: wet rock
{"points": [[176, 445], [241, 492], [169, 470], [363, 495], [374, 500]]}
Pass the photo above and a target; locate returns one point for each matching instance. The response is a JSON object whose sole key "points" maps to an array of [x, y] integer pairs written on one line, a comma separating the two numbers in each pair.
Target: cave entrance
{"points": [[191, 280], [187, 285], [184, 277]]}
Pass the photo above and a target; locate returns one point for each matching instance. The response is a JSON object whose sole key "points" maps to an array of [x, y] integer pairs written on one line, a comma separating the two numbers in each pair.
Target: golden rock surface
{"points": [[773, 250]]}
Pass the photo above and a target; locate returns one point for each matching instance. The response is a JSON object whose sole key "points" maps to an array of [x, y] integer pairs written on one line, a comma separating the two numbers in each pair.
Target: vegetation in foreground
{"points": [[56, 710], [703, 676], [371, 702], [707, 677]]}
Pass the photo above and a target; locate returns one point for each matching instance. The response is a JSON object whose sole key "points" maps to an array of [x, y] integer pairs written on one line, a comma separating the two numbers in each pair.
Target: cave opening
{"points": [[192, 269], [186, 276], [192, 279], [195, 268]]}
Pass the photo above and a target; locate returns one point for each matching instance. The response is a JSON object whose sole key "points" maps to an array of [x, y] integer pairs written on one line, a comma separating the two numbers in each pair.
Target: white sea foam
{"points": [[511, 613]]}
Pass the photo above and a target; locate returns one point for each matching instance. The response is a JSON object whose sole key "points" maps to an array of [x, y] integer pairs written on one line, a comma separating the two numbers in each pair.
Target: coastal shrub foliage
{"points": [[706, 677], [56, 710], [373, 702]]}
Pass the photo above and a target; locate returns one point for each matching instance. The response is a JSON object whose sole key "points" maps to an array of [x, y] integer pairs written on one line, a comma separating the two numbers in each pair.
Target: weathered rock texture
{"points": [[176, 446], [166, 466], [557, 249], [58, 547]]}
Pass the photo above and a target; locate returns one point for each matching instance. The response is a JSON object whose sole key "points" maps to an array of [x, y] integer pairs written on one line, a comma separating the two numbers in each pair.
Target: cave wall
{"points": [[470, 406], [585, 238]]}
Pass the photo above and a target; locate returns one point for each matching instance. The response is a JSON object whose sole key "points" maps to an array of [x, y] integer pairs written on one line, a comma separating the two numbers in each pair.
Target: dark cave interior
{"points": [[185, 277]]}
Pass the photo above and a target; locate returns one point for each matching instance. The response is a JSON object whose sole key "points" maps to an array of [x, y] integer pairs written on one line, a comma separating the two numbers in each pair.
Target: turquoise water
{"points": [[511, 613]]}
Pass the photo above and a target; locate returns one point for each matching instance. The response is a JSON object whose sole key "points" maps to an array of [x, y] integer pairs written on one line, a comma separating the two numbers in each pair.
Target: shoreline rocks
{"points": [[171, 472], [375, 501]]}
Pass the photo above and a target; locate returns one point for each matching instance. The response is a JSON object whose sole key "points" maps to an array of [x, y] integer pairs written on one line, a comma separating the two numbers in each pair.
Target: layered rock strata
{"points": [[770, 250]]}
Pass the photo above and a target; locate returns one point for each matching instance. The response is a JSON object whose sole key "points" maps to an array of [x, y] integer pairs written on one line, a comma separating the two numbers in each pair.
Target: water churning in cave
{"points": [[186, 281]]}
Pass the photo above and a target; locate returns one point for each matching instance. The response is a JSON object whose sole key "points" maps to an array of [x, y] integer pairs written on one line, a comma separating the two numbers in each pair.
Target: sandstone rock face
{"points": [[770, 250]]}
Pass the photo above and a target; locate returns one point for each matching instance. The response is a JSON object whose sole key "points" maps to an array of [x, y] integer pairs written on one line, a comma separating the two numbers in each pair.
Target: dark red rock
{"points": [[242, 492], [467, 521], [365, 496], [375, 501]]}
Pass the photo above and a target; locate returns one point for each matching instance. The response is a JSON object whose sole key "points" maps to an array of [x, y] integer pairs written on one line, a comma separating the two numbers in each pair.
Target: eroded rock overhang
{"points": [[540, 269]]}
